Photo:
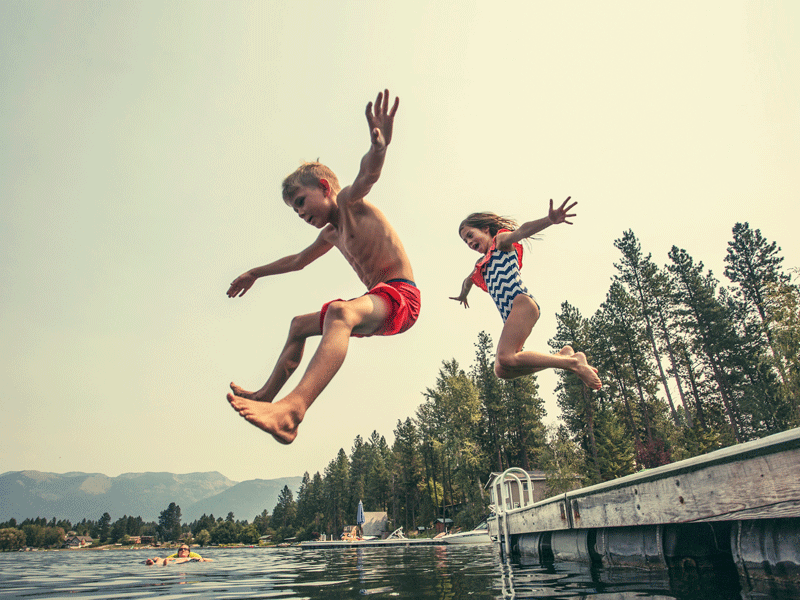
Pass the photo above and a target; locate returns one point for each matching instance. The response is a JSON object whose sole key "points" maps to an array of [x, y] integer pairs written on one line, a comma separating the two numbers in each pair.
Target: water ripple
{"points": [[423, 572]]}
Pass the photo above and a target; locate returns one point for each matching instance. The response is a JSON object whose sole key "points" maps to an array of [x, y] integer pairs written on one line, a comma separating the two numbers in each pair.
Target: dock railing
{"points": [[506, 502]]}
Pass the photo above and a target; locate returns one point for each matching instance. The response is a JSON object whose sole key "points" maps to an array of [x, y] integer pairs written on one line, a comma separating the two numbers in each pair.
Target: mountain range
{"points": [[78, 496]]}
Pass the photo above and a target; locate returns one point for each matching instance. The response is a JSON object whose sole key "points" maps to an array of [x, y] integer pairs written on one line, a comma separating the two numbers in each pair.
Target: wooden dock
{"points": [[742, 501], [371, 543], [754, 480]]}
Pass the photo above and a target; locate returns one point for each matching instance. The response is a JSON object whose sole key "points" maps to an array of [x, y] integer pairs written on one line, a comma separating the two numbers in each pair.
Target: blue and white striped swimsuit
{"points": [[503, 280], [498, 274]]}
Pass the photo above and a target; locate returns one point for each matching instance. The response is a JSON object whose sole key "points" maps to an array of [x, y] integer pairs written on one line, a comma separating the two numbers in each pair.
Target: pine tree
{"points": [[430, 448], [456, 404], [707, 323], [169, 522], [406, 463], [563, 461], [337, 492], [641, 277], [494, 417], [784, 324], [376, 482], [615, 449], [577, 404], [359, 465], [754, 264], [626, 331], [104, 525], [307, 506], [525, 411]]}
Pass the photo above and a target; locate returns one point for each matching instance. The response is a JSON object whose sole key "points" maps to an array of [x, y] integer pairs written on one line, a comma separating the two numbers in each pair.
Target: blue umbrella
{"points": [[360, 514]]}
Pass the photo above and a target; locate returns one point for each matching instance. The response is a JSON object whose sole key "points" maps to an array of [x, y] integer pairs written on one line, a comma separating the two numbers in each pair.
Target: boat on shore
{"points": [[479, 535]]}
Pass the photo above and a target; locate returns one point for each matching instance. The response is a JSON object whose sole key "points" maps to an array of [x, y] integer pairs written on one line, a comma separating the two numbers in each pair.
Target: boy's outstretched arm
{"points": [[555, 216], [293, 262], [381, 121]]}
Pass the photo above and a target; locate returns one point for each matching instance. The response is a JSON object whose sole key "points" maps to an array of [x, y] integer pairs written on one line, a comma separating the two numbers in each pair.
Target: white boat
{"points": [[479, 535]]}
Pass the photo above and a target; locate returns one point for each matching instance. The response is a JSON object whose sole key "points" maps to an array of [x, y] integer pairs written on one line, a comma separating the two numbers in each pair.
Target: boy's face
{"points": [[313, 204], [478, 239]]}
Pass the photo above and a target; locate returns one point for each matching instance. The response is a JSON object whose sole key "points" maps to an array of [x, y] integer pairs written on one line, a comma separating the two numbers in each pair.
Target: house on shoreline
{"points": [[78, 541]]}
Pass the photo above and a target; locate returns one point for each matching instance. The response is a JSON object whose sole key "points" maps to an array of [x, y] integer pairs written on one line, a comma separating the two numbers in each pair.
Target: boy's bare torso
{"points": [[368, 242]]}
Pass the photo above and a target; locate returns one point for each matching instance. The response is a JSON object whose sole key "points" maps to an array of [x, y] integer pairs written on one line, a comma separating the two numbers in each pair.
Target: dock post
{"points": [[767, 548]]}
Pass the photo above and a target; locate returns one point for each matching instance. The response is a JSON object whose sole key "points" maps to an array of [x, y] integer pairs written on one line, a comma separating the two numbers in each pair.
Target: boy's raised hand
{"points": [[381, 119], [561, 214]]}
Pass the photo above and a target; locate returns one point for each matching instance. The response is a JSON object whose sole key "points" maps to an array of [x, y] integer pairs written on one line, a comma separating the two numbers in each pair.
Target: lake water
{"points": [[423, 572]]}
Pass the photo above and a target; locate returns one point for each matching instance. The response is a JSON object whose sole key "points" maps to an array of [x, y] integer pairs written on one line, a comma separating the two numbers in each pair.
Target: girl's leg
{"points": [[364, 316], [512, 361], [302, 328]]}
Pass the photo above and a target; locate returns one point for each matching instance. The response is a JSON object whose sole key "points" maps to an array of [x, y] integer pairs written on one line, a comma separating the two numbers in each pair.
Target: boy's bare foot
{"points": [[242, 393], [280, 419], [587, 373]]}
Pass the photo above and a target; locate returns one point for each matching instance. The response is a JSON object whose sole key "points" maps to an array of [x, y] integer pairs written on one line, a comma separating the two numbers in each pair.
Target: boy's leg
{"points": [[363, 315], [512, 361], [302, 328]]}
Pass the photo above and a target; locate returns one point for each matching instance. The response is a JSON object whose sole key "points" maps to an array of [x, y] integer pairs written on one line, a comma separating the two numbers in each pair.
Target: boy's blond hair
{"points": [[308, 175]]}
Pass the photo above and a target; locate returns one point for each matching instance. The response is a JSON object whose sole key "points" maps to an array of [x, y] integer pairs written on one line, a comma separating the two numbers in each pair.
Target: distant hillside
{"points": [[246, 499], [77, 496]]}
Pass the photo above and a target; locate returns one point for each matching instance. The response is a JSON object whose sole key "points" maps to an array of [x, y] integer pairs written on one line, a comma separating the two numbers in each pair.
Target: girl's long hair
{"points": [[494, 222]]}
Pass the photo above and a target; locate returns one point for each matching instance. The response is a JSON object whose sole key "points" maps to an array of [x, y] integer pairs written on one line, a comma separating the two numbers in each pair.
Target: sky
{"points": [[144, 144]]}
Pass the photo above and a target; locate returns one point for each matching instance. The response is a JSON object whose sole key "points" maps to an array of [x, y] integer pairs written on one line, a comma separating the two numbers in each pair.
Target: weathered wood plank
{"points": [[547, 515], [781, 510], [719, 491]]}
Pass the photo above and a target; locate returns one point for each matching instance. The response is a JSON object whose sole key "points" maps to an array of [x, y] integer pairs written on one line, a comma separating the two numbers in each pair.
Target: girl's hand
{"points": [[561, 214], [462, 299], [465, 288]]}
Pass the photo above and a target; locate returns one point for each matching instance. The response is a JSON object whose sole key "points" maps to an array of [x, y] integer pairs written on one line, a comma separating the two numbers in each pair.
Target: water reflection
{"points": [[426, 573]]}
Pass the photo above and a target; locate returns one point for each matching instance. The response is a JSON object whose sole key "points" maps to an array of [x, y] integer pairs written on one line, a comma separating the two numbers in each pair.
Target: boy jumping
{"points": [[370, 245]]}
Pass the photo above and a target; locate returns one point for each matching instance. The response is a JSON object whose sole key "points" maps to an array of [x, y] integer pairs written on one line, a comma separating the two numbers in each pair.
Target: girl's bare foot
{"points": [[242, 393], [566, 351], [587, 373], [280, 419]]}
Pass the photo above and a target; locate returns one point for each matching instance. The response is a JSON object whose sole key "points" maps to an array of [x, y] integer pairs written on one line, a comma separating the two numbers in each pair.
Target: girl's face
{"points": [[479, 240]]}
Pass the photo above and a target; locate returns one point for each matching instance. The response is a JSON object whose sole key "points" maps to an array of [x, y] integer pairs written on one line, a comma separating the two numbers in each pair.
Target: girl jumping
{"points": [[497, 239]]}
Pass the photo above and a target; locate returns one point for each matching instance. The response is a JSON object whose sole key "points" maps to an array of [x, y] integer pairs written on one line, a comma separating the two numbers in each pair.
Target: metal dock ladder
{"points": [[511, 494]]}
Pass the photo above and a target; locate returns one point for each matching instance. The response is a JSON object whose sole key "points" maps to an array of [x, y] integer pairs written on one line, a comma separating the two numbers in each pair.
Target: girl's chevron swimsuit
{"points": [[498, 273]]}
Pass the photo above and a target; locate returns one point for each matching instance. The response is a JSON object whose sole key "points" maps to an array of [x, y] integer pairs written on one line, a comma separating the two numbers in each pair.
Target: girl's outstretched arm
{"points": [[465, 288], [555, 216]]}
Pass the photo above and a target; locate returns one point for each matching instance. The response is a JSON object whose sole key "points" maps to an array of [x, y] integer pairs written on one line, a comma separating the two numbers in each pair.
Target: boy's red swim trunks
{"points": [[404, 303]]}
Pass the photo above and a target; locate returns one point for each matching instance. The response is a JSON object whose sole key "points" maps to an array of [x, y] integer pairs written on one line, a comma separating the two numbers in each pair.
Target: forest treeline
{"points": [[689, 365]]}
